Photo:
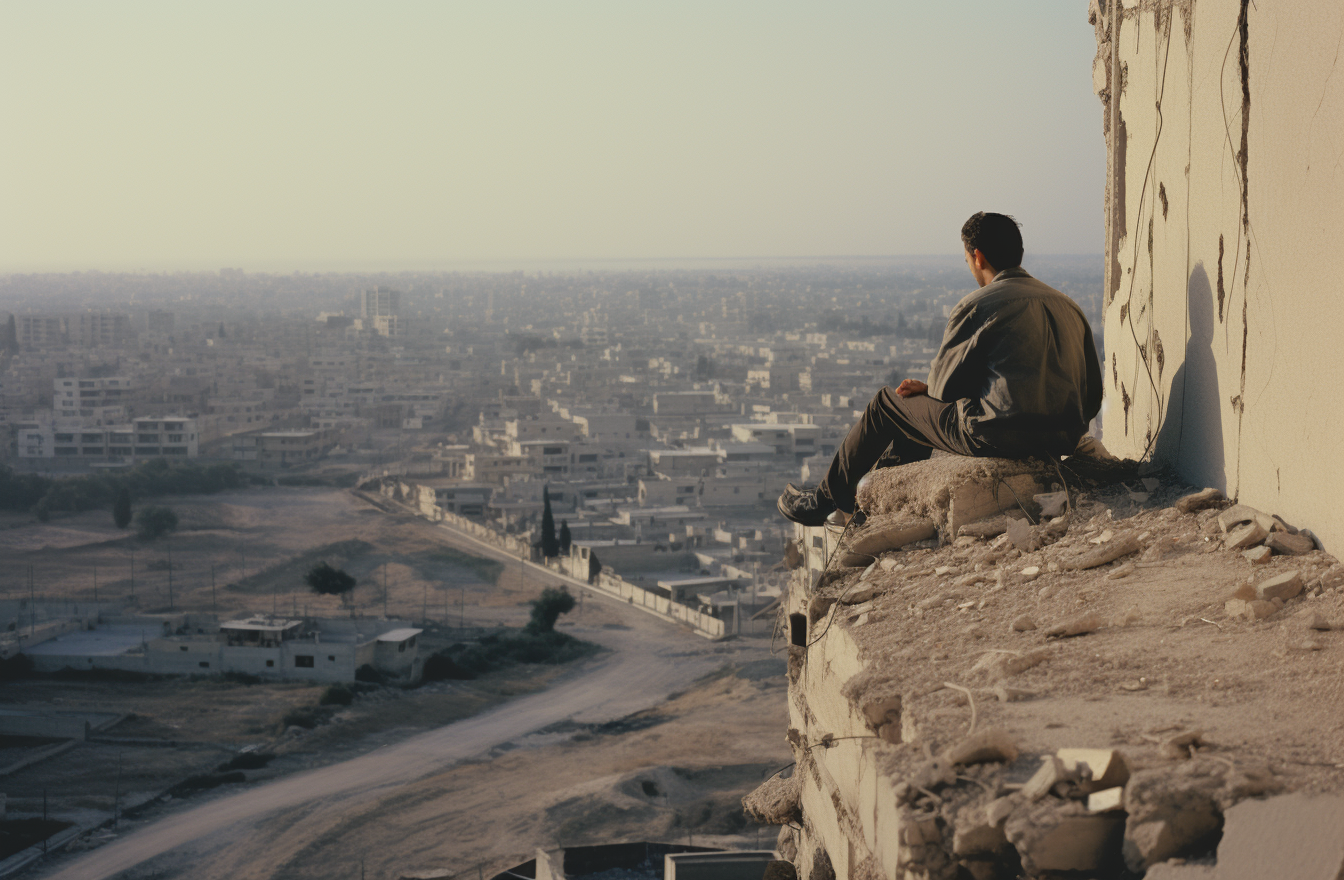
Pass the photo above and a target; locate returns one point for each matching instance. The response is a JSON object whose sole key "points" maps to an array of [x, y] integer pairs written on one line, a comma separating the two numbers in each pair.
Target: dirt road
{"points": [[649, 660]]}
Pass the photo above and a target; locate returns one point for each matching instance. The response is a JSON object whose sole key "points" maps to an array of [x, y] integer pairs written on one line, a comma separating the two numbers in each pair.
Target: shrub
{"points": [[547, 609], [154, 522], [337, 695]]}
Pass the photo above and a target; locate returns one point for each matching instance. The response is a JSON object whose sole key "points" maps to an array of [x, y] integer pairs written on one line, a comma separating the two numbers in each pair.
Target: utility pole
{"points": [[170, 577]]}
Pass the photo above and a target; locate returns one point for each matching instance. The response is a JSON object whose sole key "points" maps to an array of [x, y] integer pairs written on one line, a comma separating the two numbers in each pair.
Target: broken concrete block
{"points": [[1258, 555], [1238, 514], [888, 564], [1022, 535], [1078, 626], [859, 595], [1245, 535], [1052, 504], [1282, 586], [1047, 776], [1120, 571], [1252, 610], [1198, 500], [1096, 768], [971, 839], [999, 809], [1106, 800], [1172, 813], [1109, 552], [1313, 620], [881, 537], [1293, 835], [1243, 591], [1031, 572], [849, 559], [986, 746], [1022, 623], [985, 529], [1057, 835], [1290, 545]]}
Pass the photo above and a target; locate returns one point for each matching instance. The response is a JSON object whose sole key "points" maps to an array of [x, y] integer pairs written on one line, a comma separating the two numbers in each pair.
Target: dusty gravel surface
{"points": [[1162, 653]]}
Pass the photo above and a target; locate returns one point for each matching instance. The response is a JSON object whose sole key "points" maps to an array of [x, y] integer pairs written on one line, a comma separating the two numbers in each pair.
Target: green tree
{"points": [[565, 538], [121, 508], [553, 602], [154, 522], [550, 545], [328, 581]]}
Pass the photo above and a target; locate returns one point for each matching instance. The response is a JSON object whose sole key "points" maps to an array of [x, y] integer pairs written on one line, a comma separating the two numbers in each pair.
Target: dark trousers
{"points": [[913, 427]]}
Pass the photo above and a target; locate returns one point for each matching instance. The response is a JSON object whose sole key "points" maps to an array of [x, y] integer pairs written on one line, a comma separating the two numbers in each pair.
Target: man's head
{"points": [[997, 240]]}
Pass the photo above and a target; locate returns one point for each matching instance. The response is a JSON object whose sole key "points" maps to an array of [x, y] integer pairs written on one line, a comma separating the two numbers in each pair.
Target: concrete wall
{"points": [[1223, 215]]}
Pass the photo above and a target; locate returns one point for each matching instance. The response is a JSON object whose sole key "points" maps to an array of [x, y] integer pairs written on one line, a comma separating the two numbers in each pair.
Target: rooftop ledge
{"points": [[980, 688]]}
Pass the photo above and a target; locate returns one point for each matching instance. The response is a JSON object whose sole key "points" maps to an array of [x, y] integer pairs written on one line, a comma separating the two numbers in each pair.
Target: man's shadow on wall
{"points": [[1191, 436]]}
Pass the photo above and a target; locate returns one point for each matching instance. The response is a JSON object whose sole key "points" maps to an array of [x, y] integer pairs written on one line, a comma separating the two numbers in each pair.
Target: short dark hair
{"points": [[997, 236]]}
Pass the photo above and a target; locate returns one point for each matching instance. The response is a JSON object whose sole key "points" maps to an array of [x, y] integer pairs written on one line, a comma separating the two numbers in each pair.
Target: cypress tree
{"points": [[565, 538], [550, 546], [121, 508]]}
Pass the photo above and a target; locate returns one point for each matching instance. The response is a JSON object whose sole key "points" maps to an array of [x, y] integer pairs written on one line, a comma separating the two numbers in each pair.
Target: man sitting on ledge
{"points": [[1017, 376]]}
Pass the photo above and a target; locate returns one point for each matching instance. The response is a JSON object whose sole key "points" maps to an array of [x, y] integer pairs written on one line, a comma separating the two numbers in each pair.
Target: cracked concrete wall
{"points": [[1225, 214]]}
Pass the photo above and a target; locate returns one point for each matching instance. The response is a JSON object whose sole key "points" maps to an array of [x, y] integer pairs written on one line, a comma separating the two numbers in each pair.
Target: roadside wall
{"points": [[1223, 121], [614, 586]]}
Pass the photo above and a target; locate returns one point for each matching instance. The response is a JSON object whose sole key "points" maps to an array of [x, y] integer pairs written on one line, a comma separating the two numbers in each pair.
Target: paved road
{"points": [[649, 660]]}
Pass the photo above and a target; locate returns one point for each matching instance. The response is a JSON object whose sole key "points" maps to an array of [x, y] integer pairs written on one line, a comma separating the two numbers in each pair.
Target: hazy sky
{"points": [[280, 135]]}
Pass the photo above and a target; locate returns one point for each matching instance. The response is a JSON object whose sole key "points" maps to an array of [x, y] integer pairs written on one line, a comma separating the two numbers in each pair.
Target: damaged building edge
{"points": [[882, 788]]}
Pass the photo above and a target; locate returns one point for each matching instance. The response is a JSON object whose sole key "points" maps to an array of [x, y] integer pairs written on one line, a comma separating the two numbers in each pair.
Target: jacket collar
{"points": [[1015, 272]]}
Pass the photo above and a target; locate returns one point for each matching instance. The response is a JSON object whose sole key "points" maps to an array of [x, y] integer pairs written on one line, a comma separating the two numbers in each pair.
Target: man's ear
{"points": [[980, 262]]}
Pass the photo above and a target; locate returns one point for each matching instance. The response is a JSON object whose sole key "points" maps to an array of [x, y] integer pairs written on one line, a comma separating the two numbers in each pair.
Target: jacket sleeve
{"points": [[958, 369]]}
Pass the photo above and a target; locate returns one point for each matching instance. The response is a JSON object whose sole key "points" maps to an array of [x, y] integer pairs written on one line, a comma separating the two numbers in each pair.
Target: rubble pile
{"points": [[1088, 681]]}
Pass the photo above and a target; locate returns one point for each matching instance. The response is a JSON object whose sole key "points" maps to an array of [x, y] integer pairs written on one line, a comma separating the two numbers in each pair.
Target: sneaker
{"points": [[807, 507]]}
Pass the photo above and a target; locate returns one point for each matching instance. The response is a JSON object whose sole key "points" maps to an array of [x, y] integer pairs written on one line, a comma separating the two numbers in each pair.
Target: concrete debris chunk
{"points": [[850, 559], [1005, 665], [972, 838], [985, 529], [881, 537], [1105, 536], [1022, 623], [1054, 835], [1031, 572], [1258, 555], [1097, 768], [1109, 552], [1047, 776], [1282, 586], [1106, 800], [1052, 504], [1151, 483], [1077, 626], [888, 563], [859, 595], [1281, 526], [1022, 535], [1181, 745], [1252, 610], [1313, 620], [1199, 500], [1238, 514], [1120, 571], [1172, 813], [991, 745], [1290, 545], [818, 606], [1245, 535], [1294, 835], [999, 809], [882, 710]]}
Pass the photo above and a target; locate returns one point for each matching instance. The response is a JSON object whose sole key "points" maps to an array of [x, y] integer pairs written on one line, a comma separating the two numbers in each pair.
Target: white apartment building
{"points": [[100, 401], [143, 438]]}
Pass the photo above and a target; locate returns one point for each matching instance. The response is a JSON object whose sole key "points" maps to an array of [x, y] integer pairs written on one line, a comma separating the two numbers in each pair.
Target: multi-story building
{"points": [[100, 401], [381, 310], [143, 438]]}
